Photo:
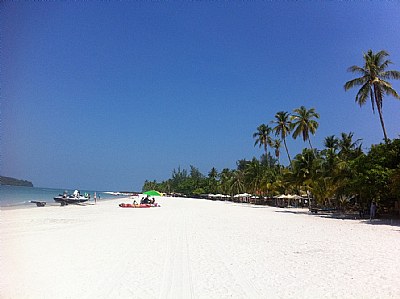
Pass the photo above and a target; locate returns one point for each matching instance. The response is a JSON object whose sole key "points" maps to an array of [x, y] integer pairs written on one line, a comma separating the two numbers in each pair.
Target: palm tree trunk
{"points": [[279, 163], [266, 156], [309, 142], [383, 125], [312, 149], [287, 152], [379, 107]]}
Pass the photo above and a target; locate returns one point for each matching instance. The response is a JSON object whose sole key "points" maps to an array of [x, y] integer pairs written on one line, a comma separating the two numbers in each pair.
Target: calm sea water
{"points": [[12, 196]]}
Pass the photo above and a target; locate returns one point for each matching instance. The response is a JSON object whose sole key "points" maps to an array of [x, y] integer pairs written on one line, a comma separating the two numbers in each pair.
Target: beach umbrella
{"points": [[152, 193], [243, 195]]}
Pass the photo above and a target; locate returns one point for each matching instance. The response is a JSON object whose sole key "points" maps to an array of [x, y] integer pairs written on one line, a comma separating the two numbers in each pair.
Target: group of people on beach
{"points": [[145, 200]]}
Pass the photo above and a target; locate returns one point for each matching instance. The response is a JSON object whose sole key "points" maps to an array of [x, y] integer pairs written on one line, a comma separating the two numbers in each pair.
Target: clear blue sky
{"points": [[103, 95]]}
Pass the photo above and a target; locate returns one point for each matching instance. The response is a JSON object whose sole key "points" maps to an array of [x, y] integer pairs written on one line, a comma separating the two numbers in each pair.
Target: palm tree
{"points": [[276, 145], [254, 175], [283, 128], [212, 180], [213, 174], [373, 82], [348, 148], [262, 136], [226, 177], [303, 166], [331, 142], [303, 123], [238, 182]]}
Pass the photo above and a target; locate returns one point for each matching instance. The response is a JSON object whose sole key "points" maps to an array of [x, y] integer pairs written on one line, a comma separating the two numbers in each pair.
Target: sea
{"points": [[20, 197]]}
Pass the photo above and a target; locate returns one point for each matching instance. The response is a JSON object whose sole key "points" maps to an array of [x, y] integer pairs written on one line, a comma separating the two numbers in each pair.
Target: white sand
{"points": [[194, 249]]}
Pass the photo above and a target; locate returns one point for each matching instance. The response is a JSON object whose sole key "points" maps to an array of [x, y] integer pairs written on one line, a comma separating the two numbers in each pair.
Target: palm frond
{"points": [[356, 69], [390, 91], [384, 65], [356, 82], [391, 75], [363, 94]]}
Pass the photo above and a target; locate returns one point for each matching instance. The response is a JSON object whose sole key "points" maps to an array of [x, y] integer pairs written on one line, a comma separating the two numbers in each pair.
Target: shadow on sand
{"points": [[344, 216]]}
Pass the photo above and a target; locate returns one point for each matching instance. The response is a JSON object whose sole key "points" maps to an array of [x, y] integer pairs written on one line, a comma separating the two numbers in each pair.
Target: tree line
{"points": [[338, 174], [14, 182]]}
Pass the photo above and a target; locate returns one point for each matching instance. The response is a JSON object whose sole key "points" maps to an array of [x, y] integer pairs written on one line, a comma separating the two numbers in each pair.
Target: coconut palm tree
{"points": [[263, 137], [304, 123], [373, 82], [303, 166], [283, 128], [348, 148], [213, 174], [330, 156], [226, 177], [238, 182], [212, 180], [276, 145], [331, 142], [254, 175]]}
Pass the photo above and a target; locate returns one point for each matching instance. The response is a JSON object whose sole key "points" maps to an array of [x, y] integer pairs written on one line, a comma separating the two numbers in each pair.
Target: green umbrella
{"points": [[152, 193]]}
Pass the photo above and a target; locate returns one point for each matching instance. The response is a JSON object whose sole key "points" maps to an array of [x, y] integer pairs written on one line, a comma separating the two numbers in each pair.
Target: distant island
{"points": [[14, 182]]}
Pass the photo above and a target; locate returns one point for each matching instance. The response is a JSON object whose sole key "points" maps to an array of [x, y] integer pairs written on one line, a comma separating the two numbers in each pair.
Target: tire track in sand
{"points": [[226, 264], [177, 276]]}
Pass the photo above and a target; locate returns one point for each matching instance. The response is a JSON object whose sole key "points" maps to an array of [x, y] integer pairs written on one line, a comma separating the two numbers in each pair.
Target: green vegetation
{"points": [[14, 182], [339, 175]]}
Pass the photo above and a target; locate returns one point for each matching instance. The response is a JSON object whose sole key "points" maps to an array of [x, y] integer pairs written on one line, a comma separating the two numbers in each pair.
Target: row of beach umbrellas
{"points": [[282, 196], [226, 196], [217, 196], [289, 196]]}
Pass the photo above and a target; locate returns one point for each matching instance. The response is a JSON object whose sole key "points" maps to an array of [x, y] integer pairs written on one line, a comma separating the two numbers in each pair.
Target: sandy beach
{"points": [[190, 248]]}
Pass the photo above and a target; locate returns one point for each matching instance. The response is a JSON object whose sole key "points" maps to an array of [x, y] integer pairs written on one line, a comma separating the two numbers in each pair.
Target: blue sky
{"points": [[103, 95]]}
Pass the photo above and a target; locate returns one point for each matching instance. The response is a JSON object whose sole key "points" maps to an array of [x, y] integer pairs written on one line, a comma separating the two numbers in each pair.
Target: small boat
{"points": [[65, 199]]}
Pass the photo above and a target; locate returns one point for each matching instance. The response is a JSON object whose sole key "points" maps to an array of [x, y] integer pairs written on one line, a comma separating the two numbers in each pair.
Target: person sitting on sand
{"points": [[147, 199]]}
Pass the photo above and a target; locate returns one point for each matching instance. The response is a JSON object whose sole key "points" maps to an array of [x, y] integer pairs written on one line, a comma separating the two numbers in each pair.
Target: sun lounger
{"points": [[315, 210]]}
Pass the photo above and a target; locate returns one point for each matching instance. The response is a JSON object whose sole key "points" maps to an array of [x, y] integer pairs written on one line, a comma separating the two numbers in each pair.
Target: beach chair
{"points": [[315, 210]]}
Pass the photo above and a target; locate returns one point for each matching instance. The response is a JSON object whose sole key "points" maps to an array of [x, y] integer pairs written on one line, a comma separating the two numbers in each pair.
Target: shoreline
{"points": [[12, 197], [29, 205]]}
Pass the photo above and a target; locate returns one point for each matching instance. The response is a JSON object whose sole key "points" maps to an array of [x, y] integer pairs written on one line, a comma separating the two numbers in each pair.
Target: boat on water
{"points": [[74, 198]]}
